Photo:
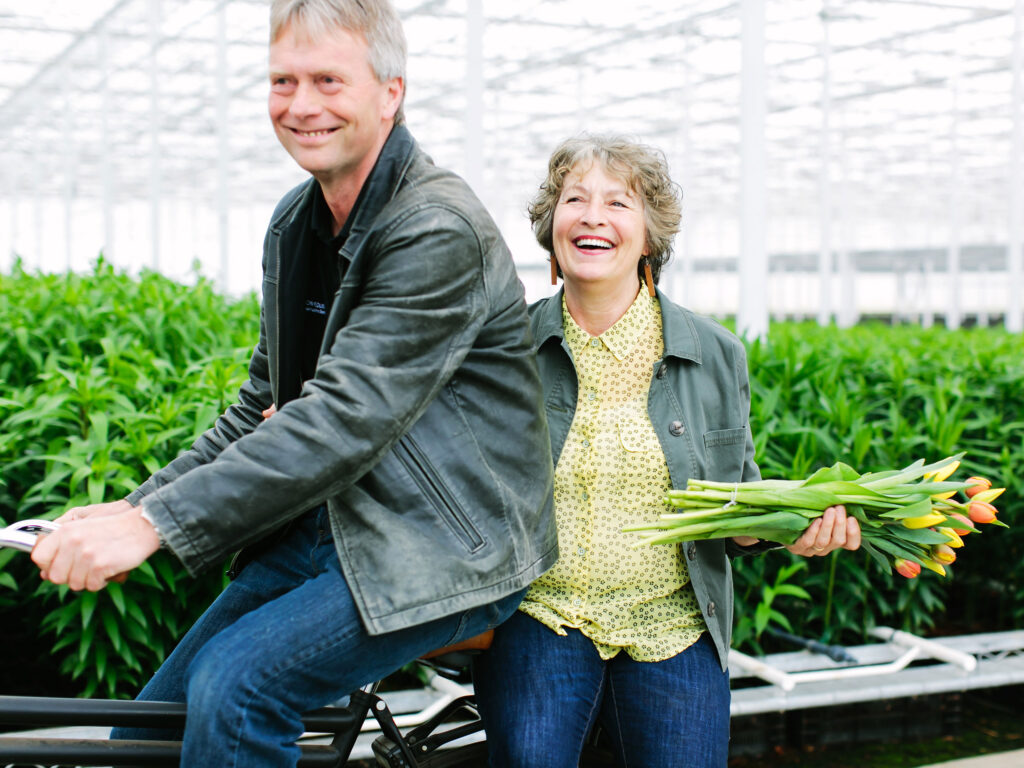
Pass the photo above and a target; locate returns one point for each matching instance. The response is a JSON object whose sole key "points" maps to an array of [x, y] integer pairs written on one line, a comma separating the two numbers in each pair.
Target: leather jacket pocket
{"points": [[434, 490], [725, 453]]}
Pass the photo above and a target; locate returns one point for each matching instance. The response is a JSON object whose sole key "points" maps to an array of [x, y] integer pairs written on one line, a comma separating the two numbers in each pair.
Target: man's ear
{"points": [[393, 98]]}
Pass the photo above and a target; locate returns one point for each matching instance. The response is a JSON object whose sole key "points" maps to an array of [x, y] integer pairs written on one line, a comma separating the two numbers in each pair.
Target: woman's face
{"points": [[599, 234]]}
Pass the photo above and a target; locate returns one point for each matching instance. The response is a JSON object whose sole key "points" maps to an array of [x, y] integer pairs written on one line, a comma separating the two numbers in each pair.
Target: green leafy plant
{"points": [[105, 377], [876, 397], [754, 617]]}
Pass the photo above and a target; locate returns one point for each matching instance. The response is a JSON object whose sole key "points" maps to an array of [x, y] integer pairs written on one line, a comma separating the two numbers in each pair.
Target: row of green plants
{"points": [[104, 377]]}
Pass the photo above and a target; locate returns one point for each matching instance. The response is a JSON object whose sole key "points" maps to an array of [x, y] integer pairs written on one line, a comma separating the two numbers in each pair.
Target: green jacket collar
{"points": [[677, 326]]}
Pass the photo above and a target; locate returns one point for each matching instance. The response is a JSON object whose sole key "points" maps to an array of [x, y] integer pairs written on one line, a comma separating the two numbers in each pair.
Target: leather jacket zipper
{"points": [[421, 470]]}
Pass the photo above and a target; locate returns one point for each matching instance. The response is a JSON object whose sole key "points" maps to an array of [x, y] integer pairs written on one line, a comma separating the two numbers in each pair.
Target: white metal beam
{"points": [[954, 311], [474, 116], [155, 170], [824, 176], [1015, 241], [752, 313], [223, 147], [107, 164]]}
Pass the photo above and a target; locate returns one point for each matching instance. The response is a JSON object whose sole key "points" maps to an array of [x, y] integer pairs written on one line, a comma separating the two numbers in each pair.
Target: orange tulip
{"points": [[943, 554], [978, 484], [962, 531], [981, 512], [907, 568]]}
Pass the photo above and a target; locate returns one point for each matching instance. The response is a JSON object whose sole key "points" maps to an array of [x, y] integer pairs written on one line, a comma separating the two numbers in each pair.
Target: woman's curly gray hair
{"points": [[642, 168]]}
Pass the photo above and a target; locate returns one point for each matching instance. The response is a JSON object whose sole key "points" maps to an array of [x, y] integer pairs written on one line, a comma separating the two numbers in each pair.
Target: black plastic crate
{"points": [[752, 735], [905, 719]]}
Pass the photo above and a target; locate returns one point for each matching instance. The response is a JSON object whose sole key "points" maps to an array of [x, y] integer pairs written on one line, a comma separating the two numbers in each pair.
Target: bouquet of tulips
{"points": [[909, 518]]}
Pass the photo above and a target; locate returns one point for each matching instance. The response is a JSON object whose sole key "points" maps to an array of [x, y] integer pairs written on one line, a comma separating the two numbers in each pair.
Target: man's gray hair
{"points": [[376, 20]]}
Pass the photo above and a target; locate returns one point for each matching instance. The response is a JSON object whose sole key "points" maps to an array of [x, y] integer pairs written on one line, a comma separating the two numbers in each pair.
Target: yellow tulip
{"points": [[943, 554], [942, 473], [924, 521], [931, 565], [989, 495], [946, 495], [954, 539]]}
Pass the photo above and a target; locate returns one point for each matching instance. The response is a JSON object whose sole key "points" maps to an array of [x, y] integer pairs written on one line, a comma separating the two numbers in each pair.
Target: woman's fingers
{"points": [[852, 533], [833, 530]]}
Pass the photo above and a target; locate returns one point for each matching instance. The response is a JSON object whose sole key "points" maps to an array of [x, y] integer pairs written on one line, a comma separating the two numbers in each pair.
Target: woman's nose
{"points": [[593, 214]]}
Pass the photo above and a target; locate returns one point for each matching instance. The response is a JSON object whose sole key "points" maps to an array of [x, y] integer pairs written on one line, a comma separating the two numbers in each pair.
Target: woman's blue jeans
{"points": [[284, 638], [540, 694]]}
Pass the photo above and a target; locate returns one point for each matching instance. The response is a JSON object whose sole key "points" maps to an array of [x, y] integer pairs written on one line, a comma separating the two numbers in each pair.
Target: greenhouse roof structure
{"points": [[832, 134]]}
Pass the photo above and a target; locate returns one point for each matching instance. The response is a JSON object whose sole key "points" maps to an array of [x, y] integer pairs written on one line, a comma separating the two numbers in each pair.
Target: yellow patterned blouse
{"points": [[611, 473]]}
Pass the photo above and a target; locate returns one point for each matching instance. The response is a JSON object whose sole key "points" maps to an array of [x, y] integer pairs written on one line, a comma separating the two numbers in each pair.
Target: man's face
{"points": [[328, 108]]}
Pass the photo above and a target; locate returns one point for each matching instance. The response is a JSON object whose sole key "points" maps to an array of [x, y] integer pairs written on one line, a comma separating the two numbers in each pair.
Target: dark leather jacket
{"points": [[422, 428], [699, 405]]}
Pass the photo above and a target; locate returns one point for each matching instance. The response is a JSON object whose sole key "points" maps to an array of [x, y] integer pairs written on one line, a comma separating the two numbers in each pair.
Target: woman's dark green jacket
{"points": [[699, 404]]}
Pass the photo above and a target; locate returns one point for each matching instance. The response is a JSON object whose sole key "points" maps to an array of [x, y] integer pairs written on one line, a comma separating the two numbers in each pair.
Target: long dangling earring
{"points": [[554, 270], [648, 276]]}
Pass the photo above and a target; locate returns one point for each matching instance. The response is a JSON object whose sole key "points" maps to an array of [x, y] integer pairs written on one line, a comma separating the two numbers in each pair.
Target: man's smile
{"points": [[312, 134]]}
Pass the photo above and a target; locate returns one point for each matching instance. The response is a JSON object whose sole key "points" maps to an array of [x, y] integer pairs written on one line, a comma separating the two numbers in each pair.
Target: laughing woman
{"points": [[640, 395]]}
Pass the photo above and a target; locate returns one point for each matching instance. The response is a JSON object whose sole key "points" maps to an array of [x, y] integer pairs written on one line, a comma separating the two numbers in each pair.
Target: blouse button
{"points": [[711, 608], [662, 370], [676, 428], [595, 343], [691, 550]]}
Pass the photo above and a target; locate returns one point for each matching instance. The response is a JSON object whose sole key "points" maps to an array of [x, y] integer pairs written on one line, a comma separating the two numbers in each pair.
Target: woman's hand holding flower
{"points": [[833, 530]]}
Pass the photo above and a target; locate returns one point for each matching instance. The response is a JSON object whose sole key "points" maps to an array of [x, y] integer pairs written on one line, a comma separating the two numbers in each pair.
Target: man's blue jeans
{"points": [[540, 693], [284, 638]]}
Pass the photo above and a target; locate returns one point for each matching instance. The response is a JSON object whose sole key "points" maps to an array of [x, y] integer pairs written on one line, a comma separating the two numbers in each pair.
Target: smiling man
{"points": [[387, 466]]}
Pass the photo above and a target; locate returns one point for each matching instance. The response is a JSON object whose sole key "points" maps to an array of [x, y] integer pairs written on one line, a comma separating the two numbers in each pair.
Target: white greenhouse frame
{"points": [[839, 158]]}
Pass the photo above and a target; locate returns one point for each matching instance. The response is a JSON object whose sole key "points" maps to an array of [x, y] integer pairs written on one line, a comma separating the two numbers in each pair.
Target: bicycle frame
{"points": [[391, 749], [343, 722]]}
